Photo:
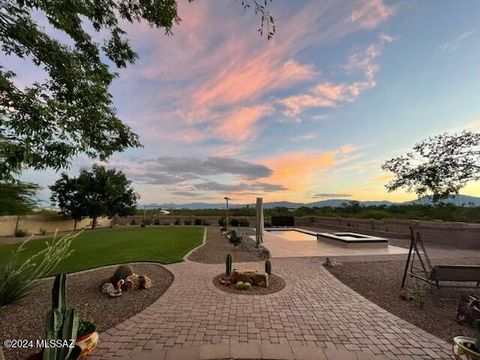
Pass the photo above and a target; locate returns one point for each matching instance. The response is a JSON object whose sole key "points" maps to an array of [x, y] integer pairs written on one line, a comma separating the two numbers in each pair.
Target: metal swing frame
{"points": [[433, 275]]}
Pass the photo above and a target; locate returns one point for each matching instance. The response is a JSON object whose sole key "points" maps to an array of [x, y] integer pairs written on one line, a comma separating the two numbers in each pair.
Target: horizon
{"points": [[306, 114]]}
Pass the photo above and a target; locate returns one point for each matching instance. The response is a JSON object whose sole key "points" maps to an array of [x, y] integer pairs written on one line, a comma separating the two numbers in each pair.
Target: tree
{"points": [[44, 125], [95, 193], [440, 165], [17, 198]]}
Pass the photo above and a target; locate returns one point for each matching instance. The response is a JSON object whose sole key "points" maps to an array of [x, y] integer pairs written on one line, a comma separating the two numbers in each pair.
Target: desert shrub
{"points": [[21, 233], [142, 225], [122, 272], [147, 222], [283, 221], [85, 327], [18, 277], [198, 222], [206, 223], [43, 232], [417, 293], [234, 222], [221, 222], [187, 222], [156, 222], [244, 222], [177, 222], [234, 238], [133, 222]]}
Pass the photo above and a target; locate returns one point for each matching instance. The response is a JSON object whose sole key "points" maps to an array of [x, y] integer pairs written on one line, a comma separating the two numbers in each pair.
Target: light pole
{"points": [[226, 222]]}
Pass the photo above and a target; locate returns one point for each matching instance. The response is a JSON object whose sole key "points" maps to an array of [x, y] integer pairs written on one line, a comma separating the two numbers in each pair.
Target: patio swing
{"points": [[438, 273]]}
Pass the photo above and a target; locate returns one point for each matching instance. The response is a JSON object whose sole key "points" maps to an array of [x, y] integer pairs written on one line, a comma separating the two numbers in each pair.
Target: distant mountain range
{"points": [[460, 200]]}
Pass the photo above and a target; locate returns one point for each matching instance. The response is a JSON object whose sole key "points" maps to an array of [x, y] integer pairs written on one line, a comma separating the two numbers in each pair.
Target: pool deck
{"points": [[281, 247]]}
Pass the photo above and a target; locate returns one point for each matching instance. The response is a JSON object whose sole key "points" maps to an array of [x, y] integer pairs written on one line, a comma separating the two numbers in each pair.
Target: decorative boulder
{"points": [[145, 282], [132, 282], [468, 309], [331, 262], [107, 288], [253, 277]]}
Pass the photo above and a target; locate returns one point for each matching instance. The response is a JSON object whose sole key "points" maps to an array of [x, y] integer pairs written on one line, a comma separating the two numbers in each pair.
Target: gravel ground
{"points": [[380, 282], [25, 319], [275, 284], [217, 247]]}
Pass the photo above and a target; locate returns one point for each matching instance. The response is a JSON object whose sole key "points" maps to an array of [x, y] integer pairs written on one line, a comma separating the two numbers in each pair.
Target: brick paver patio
{"points": [[315, 312]]}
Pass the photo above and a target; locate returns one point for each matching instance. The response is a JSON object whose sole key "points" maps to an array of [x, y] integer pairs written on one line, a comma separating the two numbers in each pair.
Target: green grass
{"points": [[106, 247]]}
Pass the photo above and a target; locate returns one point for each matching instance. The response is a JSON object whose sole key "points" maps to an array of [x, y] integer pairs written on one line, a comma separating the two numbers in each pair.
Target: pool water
{"points": [[293, 235]]}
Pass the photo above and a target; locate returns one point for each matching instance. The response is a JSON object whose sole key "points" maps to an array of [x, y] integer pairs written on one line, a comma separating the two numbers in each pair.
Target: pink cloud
{"points": [[371, 13]]}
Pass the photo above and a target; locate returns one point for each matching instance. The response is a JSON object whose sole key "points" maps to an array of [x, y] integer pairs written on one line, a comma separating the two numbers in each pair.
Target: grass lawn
{"points": [[96, 248]]}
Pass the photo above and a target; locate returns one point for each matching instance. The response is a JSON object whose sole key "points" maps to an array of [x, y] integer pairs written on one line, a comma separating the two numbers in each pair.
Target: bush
{"points": [[156, 222], [85, 327], [234, 238], [43, 232], [18, 276], [206, 223], [187, 222], [133, 222], [221, 222], [147, 222], [283, 221], [21, 233], [177, 222], [122, 272], [244, 222], [142, 225], [198, 222], [234, 222]]}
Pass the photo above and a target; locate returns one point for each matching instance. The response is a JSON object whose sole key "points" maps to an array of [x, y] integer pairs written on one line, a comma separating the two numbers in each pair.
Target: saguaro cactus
{"points": [[268, 267], [228, 264]]}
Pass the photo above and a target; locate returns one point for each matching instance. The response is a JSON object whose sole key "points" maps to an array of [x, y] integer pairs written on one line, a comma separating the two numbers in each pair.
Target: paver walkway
{"points": [[314, 310]]}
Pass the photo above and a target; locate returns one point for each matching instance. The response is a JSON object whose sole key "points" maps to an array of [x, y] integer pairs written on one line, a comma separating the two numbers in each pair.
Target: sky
{"points": [[311, 114]]}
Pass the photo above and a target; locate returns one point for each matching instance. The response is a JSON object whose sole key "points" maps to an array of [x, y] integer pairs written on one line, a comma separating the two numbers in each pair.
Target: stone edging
{"points": [[204, 241]]}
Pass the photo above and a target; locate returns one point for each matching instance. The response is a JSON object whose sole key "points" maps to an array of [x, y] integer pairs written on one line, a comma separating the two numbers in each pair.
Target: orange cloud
{"points": [[248, 81]]}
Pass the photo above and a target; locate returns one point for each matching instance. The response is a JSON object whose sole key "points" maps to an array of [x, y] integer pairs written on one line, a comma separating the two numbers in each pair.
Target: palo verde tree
{"points": [[45, 124], [94, 193], [438, 166]]}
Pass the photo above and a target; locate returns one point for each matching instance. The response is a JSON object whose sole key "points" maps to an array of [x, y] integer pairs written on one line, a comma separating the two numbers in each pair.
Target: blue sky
{"points": [[342, 87]]}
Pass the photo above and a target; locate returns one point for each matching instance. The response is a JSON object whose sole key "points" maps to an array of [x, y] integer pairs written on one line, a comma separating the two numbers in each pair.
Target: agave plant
{"points": [[17, 277]]}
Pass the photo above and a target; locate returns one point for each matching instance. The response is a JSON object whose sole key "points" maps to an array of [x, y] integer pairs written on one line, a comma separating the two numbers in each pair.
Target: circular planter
{"points": [[87, 343], [462, 348]]}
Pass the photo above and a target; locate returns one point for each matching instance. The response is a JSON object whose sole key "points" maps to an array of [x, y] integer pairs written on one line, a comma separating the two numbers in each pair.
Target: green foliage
{"points": [[156, 221], [228, 264], [17, 198], [239, 285], [244, 222], [234, 238], [268, 267], [198, 222], [43, 232], [187, 222], [234, 222], [45, 124], [133, 222], [147, 222], [85, 327], [94, 193], [17, 277], [62, 323], [177, 222], [122, 272], [247, 286], [417, 293], [221, 222], [21, 233], [440, 165]]}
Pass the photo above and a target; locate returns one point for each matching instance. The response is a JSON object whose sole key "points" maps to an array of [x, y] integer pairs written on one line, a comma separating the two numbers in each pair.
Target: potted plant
{"points": [[87, 337], [466, 348]]}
